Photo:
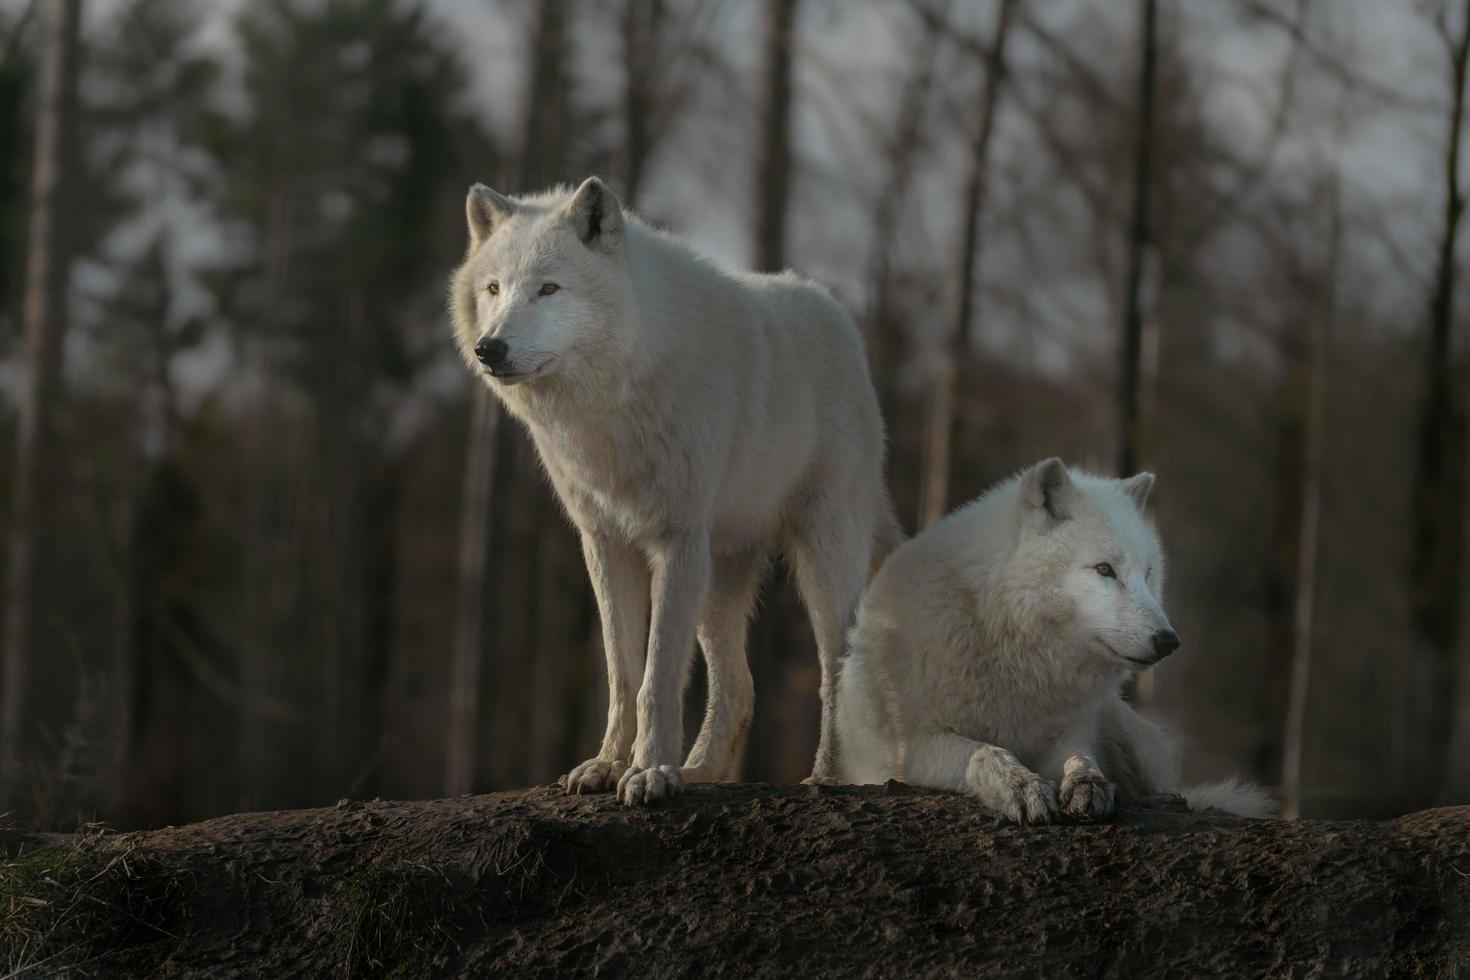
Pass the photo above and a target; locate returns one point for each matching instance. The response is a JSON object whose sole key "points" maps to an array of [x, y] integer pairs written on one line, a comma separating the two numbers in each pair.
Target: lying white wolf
{"points": [[989, 653], [692, 421]]}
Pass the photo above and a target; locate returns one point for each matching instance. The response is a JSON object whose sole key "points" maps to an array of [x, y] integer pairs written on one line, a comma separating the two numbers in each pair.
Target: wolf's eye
{"points": [[494, 288], [1105, 570], [549, 288]]}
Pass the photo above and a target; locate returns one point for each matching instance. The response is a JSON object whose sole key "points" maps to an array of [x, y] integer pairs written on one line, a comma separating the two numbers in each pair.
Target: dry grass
{"points": [[83, 908], [393, 921], [404, 918]]}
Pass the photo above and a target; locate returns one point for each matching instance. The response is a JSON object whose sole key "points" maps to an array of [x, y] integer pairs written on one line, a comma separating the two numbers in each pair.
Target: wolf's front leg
{"points": [[1003, 784], [991, 774], [681, 573], [1085, 791], [620, 579]]}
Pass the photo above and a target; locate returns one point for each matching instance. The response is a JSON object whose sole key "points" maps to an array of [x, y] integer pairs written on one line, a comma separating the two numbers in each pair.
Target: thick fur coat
{"points": [[692, 421], [990, 651]]}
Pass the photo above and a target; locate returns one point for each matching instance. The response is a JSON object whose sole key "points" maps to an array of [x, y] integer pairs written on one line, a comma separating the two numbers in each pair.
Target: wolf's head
{"points": [[538, 293], [1095, 563]]}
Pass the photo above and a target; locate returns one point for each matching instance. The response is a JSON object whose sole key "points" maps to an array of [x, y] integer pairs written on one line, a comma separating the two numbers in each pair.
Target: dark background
{"points": [[261, 525]]}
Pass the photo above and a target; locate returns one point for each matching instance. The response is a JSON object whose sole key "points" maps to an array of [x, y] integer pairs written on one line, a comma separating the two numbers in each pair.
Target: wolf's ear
{"points": [[484, 210], [595, 214], [1048, 487], [1137, 488]]}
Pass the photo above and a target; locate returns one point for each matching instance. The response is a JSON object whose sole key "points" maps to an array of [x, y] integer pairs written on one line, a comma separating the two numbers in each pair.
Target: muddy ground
{"points": [[740, 881]]}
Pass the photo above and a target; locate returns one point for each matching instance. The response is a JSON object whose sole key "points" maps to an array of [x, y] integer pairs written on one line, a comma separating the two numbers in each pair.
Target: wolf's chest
{"points": [[609, 478]]}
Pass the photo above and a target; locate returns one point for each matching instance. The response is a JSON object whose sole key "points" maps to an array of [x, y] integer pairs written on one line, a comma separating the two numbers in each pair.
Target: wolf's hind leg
{"points": [[722, 636], [1140, 758], [620, 580], [831, 553], [990, 773]]}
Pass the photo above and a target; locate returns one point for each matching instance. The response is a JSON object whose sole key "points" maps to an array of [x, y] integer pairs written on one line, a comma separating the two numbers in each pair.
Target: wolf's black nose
{"points": [[1165, 643], [491, 352]]}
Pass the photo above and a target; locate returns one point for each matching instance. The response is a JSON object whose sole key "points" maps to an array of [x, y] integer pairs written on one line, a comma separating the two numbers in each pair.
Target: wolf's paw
{"points": [[1030, 799], [999, 780], [594, 776], [639, 786], [1087, 794]]}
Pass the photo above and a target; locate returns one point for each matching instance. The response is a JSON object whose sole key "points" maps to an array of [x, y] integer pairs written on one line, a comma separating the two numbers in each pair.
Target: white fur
{"points": [[1231, 796], [989, 653], [692, 421]]}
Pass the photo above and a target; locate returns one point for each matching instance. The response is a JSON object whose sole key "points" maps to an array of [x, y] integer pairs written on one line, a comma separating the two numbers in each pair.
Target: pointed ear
{"points": [[595, 214], [1047, 487], [1137, 488], [484, 210]]}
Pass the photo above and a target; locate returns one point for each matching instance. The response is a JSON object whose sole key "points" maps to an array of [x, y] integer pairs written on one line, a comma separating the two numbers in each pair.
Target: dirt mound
{"points": [[740, 881]]}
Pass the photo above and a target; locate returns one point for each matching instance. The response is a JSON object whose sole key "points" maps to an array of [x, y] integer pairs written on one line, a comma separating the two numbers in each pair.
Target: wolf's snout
{"points": [[491, 352], [1165, 643]]}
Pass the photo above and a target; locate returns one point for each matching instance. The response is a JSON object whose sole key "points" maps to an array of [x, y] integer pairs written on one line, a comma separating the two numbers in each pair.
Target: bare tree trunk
{"points": [[157, 418], [902, 147], [1284, 559], [1437, 558], [1138, 239], [960, 327], [474, 531], [1304, 600], [767, 645], [773, 167], [884, 324], [360, 491], [1146, 681], [544, 132], [44, 320], [559, 612], [269, 580], [542, 160], [642, 25], [123, 676]]}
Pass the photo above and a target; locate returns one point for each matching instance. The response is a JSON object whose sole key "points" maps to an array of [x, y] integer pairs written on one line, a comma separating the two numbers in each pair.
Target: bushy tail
{"points": [[1231, 796]]}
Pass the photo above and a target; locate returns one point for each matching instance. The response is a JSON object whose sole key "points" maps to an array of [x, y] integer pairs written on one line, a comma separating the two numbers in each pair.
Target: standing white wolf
{"points": [[989, 653], [692, 421]]}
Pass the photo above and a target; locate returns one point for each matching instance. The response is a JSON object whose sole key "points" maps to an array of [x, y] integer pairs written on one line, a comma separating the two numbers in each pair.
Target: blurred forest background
{"points": [[267, 545]]}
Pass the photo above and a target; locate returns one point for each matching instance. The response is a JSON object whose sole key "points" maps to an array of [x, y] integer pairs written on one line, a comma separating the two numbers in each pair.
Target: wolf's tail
{"points": [[1231, 796]]}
